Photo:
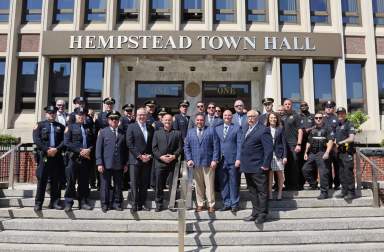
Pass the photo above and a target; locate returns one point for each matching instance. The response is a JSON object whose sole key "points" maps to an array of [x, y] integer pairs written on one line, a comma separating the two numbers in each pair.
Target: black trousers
{"points": [[347, 176], [258, 188], [334, 179], [112, 197], [161, 180], [77, 171], [294, 179], [316, 161], [49, 170], [140, 176]]}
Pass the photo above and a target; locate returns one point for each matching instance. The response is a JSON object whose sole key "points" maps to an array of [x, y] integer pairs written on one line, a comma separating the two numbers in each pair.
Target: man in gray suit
{"points": [[210, 119], [111, 161], [240, 118]]}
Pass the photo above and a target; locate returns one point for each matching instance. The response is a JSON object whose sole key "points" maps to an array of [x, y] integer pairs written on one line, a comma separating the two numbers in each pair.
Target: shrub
{"points": [[357, 118], [8, 139]]}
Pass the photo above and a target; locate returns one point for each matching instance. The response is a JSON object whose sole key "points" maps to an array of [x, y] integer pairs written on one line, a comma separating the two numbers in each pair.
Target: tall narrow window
{"points": [[161, 10], [92, 82], [193, 10], [378, 12], [351, 11], [319, 11], [63, 11], [380, 78], [323, 79], [288, 11], [60, 73], [128, 10], [96, 11], [256, 11], [2, 72], [26, 84], [355, 86], [291, 81], [32, 11], [4, 10], [225, 11]]}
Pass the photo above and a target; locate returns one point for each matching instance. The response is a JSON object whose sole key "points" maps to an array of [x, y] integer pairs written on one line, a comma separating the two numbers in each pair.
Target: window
{"points": [[4, 10], [96, 11], [380, 79], [128, 10], [323, 79], [355, 86], [32, 11], [26, 84], [256, 11], [291, 81], [378, 12], [93, 82], [319, 11], [193, 10], [161, 10], [2, 72], [351, 12], [166, 94], [63, 11], [288, 11], [225, 11], [59, 75]]}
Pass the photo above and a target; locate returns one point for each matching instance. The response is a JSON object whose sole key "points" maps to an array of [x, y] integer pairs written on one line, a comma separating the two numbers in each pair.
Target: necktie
{"points": [[225, 131], [52, 136], [144, 130], [248, 131], [84, 137], [240, 119], [200, 134]]}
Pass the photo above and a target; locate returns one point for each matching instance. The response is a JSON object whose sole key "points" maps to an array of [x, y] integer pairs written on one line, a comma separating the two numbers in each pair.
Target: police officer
{"points": [[111, 161], [319, 145], [158, 124], [344, 138], [268, 106], [78, 140], [102, 121], [150, 106], [331, 122], [48, 135], [128, 117], [80, 102], [182, 121]]}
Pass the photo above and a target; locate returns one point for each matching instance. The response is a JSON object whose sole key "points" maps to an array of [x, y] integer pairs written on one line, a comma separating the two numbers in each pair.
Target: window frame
{"points": [[381, 99], [352, 14], [19, 107], [154, 14], [5, 12], [198, 11], [333, 75], [326, 13], [364, 82], [89, 11], [377, 15], [225, 11], [26, 12], [134, 11], [57, 11], [4, 60], [257, 12], [301, 77], [91, 99], [295, 13], [50, 93]]}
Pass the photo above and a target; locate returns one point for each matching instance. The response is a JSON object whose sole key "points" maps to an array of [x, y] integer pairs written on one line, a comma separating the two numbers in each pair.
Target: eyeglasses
{"points": [[218, 110], [318, 117], [211, 107], [238, 106], [59, 105], [200, 106]]}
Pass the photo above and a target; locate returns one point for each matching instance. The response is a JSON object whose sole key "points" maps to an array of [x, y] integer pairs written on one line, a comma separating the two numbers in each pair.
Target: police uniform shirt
{"points": [[181, 123], [48, 134], [343, 130], [291, 126], [79, 136], [307, 120], [331, 122], [102, 120], [318, 138], [124, 123]]}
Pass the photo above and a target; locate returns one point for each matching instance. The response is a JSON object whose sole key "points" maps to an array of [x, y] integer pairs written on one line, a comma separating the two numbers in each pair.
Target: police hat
{"points": [[162, 111], [330, 104], [149, 102], [341, 110], [267, 100], [80, 111], [184, 103], [114, 114], [128, 106], [50, 109], [78, 99], [109, 100]]}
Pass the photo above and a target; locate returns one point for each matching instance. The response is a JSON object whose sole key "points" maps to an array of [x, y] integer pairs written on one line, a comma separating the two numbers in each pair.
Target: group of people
{"points": [[144, 146]]}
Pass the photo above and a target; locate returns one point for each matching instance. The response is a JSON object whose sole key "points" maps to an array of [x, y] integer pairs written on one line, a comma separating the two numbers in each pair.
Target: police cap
{"points": [[128, 107], [184, 103], [78, 99], [114, 114], [341, 110], [330, 104], [267, 101], [50, 109], [150, 102], [163, 111], [109, 100]]}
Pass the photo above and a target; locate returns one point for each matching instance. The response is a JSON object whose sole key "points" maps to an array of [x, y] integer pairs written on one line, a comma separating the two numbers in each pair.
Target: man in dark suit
{"points": [[201, 151], [139, 141], [167, 146], [256, 157], [240, 118], [230, 137], [111, 162], [127, 118], [182, 121]]}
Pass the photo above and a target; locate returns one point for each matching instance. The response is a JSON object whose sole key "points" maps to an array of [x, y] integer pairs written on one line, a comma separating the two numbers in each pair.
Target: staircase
{"points": [[300, 222]]}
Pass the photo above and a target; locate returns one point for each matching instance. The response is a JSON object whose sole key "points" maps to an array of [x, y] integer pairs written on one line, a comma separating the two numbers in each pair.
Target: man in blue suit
{"points": [[256, 157], [210, 119], [201, 150], [230, 137], [240, 118]]}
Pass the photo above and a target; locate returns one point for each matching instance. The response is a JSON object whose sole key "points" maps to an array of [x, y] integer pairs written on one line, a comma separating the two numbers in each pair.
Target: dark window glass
{"points": [[26, 84], [380, 79], [60, 73], [2, 72], [32, 10], [378, 12], [323, 77], [96, 11], [256, 11], [351, 11], [93, 82], [288, 11], [128, 10], [319, 11], [166, 94], [355, 86], [4, 10], [161, 10], [193, 10], [225, 11], [63, 11], [291, 76]]}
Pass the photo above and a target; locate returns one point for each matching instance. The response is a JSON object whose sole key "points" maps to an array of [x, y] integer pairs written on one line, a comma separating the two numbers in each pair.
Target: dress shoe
{"points": [[144, 208], [57, 206], [118, 208], [85, 206], [211, 210], [225, 208], [336, 187], [199, 209], [235, 209], [134, 209], [158, 208], [322, 196], [104, 209], [250, 218], [349, 196], [341, 195], [68, 209], [37, 208], [313, 187], [260, 219]]}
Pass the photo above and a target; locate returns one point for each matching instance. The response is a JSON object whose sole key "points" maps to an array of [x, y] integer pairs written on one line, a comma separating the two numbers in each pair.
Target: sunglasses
{"points": [[304, 105], [200, 106], [218, 110], [238, 106], [211, 107], [318, 117]]}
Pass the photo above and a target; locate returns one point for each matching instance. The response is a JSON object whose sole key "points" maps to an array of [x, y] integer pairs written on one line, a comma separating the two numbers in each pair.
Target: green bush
{"points": [[357, 118], [382, 143], [8, 139]]}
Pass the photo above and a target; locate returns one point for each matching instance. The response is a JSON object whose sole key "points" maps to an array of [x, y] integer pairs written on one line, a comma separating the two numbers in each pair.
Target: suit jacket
{"points": [[160, 146], [244, 121], [230, 146], [204, 152], [182, 123], [136, 143], [280, 144], [216, 121], [256, 150], [111, 151]]}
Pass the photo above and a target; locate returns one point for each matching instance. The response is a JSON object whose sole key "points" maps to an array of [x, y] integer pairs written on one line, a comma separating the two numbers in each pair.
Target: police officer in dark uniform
{"points": [[331, 122], [150, 106], [319, 145], [344, 139], [182, 121], [48, 135], [102, 120], [268, 106], [80, 102], [127, 118], [79, 141], [158, 124]]}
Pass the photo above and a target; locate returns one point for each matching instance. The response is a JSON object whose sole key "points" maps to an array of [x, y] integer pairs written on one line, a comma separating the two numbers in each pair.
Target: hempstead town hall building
{"points": [[219, 50]]}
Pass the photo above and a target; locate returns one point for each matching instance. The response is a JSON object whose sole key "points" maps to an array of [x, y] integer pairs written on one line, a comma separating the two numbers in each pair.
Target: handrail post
{"points": [[375, 186], [11, 170], [181, 206], [358, 173]]}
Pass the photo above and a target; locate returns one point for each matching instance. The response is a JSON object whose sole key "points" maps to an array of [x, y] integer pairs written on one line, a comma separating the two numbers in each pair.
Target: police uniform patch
{"points": [[342, 127], [291, 117], [334, 121]]}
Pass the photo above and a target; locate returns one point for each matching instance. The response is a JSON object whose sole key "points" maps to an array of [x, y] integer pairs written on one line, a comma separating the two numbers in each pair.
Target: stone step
{"points": [[207, 226], [204, 239]]}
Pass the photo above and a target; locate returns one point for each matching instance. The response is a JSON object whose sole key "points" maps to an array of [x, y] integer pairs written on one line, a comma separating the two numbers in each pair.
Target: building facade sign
{"points": [[193, 43]]}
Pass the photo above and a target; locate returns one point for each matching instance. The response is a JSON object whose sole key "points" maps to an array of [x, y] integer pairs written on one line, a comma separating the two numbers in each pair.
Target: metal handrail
{"points": [[11, 152]]}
